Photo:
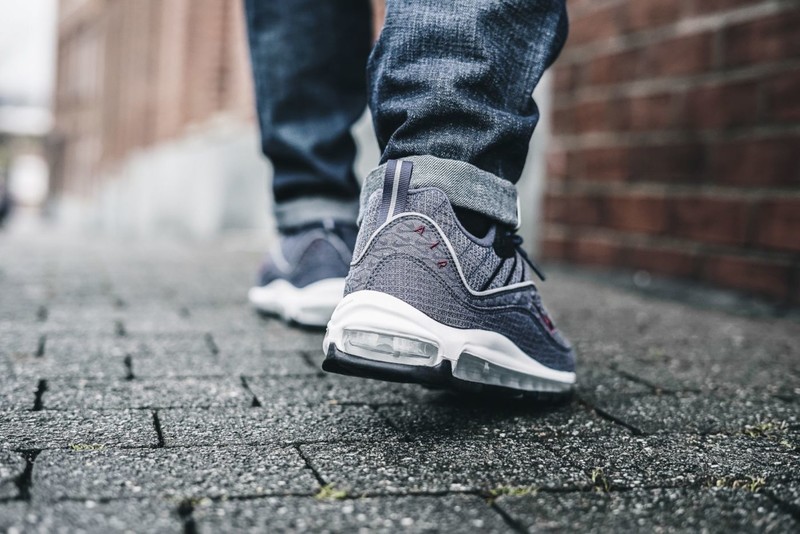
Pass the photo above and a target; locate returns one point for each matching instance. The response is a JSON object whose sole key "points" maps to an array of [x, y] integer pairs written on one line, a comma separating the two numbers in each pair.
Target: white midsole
{"points": [[373, 311], [310, 305]]}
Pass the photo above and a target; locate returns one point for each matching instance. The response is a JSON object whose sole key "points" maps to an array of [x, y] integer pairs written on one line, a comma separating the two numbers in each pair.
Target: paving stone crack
{"points": [[119, 328], [159, 433], [186, 513], [127, 361], [211, 343], [41, 345], [309, 360], [787, 507], [255, 402], [609, 417], [41, 388], [321, 481], [512, 523], [25, 480]]}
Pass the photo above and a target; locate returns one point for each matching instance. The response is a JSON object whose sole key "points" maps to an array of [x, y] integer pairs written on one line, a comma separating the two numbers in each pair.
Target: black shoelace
{"points": [[508, 244]]}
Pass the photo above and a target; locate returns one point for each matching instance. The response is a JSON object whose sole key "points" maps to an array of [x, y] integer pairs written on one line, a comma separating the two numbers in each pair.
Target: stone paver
{"points": [[383, 514], [76, 394], [12, 466], [171, 473], [139, 392], [658, 510], [53, 430], [445, 464], [273, 424], [91, 516], [698, 414]]}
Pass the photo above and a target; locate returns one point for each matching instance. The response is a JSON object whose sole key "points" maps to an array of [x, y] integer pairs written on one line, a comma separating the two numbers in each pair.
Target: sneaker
{"points": [[428, 302], [303, 277]]}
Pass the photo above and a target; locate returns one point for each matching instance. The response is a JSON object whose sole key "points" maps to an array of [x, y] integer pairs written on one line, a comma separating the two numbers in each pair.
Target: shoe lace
{"points": [[508, 243]]}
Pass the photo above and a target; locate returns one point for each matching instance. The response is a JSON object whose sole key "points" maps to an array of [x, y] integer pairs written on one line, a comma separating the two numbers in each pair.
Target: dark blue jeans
{"points": [[448, 82]]}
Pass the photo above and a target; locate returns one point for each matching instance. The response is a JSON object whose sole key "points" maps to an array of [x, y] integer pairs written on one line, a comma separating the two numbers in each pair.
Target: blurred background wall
{"points": [[670, 133], [154, 131], [676, 143]]}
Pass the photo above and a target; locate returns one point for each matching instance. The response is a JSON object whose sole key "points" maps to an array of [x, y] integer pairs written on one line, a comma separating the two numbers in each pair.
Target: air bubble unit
{"points": [[389, 348], [473, 369]]}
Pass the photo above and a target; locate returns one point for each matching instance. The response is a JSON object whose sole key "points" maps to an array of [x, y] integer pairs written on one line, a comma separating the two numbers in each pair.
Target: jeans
{"points": [[449, 85]]}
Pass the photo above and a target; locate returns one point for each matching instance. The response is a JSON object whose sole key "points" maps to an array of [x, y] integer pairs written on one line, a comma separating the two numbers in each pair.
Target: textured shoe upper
{"points": [[426, 258], [310, 254]]}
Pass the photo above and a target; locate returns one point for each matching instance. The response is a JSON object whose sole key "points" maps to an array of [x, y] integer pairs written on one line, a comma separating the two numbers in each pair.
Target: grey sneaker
{"points": [[302, 278], [427, 302]]}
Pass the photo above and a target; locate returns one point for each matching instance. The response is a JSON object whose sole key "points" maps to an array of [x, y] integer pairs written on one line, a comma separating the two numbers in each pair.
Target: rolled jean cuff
{"points": [[465, 185], [307, 210]]}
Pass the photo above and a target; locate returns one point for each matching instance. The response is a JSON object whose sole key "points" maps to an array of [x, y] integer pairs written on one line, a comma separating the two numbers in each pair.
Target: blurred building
{"points": [[154, 128], [676, 143]]}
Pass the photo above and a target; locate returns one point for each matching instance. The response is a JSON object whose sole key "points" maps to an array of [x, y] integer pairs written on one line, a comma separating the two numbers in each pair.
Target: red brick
{"points": [[555, 248], [614, 68], [756, 162], [574, 209], [768, 39], [556, 161], [595, 116], [709, 6], [782, 97], [662, 261], [637, 213], [604, 164], [643, 14], [555, 208], [562, 121], [754, 275], [595, 26], [678, 57], [652, 112], [564, 77], [710, 219], [584, 210], [723, 105], [778, 224], [594, 251], [668, 163]]}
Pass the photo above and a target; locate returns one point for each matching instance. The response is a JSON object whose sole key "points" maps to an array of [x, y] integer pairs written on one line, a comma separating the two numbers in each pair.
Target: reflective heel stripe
{"points": [[395, 188]]}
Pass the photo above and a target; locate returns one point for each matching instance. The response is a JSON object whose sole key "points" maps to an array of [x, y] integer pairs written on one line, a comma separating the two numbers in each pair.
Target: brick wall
{"points": [[132, 74], [676, 142]]}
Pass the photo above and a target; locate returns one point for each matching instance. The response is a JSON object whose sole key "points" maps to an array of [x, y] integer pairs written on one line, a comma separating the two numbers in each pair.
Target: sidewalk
{"points": [[139, 392]]}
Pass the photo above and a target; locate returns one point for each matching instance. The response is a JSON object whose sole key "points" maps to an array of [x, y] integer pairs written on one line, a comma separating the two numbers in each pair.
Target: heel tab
{"points": [[396, 181]]}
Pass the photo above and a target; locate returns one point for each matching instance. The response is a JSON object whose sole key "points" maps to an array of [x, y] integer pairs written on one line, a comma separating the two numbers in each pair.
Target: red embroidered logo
{"points": [[420, 230], [442, 263]]}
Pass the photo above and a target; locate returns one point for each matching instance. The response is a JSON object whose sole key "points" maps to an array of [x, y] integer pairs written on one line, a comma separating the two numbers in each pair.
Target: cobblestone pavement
{"points": [[139, 392]]}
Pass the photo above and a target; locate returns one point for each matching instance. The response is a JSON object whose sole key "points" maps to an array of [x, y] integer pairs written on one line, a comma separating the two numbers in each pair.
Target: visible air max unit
{"points": [[428, 302], [302, 279]]}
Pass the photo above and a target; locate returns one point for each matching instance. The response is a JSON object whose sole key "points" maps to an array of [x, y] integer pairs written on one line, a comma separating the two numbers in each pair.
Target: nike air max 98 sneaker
{"points": [[425, 301], [302, 279]]}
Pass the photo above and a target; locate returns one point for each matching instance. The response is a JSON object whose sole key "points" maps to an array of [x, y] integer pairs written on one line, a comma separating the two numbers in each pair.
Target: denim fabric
{"points": [[450, 79], [308, 60], [454, 78]]}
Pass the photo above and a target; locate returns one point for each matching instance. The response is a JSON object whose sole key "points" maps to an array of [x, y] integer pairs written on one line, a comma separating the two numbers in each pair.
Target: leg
{"points": [[427, 298], [308, 61], [452, 80]]}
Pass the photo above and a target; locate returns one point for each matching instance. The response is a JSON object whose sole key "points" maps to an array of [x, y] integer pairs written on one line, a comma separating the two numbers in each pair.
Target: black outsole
{"points": [[435, 377]]}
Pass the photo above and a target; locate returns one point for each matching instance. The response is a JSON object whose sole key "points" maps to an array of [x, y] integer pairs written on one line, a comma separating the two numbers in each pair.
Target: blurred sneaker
{"points": [[428, 302], [302, 278]]}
